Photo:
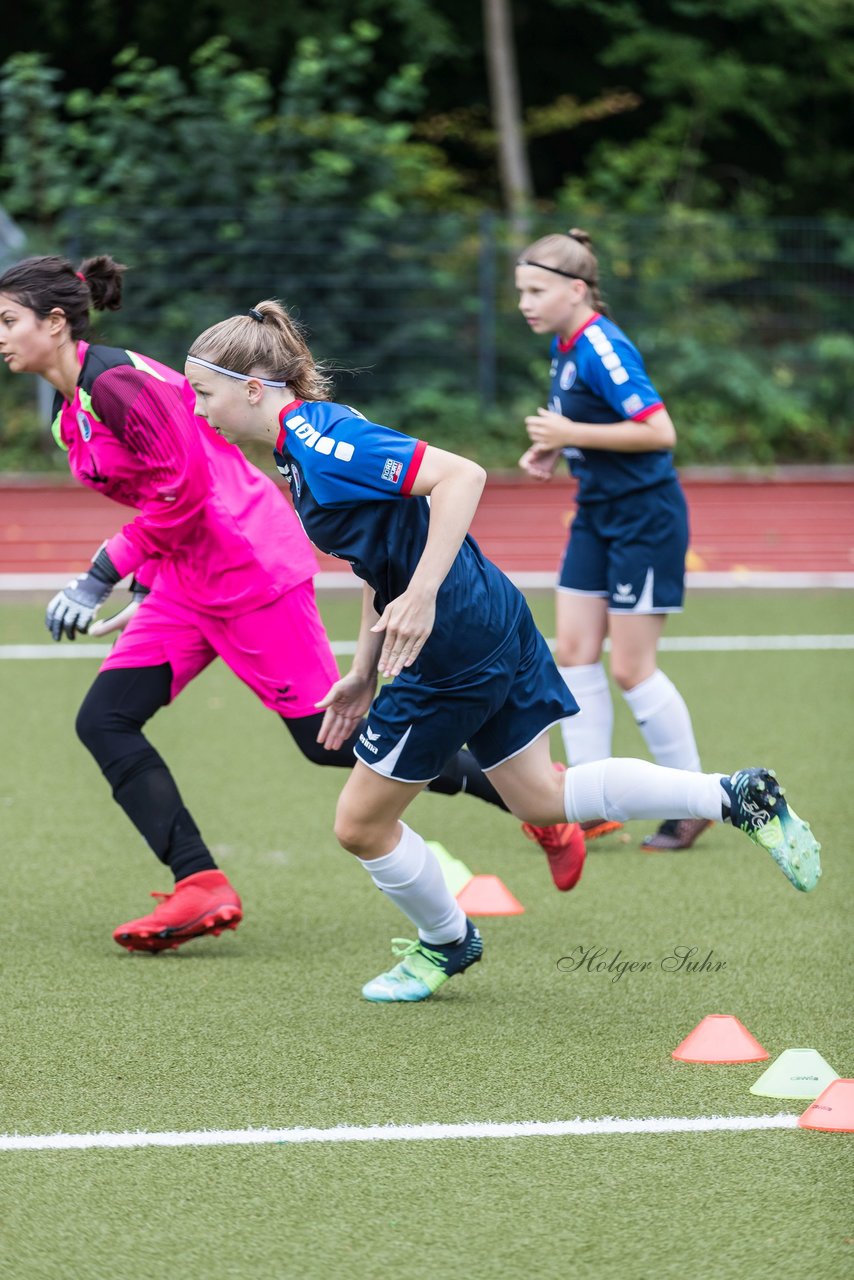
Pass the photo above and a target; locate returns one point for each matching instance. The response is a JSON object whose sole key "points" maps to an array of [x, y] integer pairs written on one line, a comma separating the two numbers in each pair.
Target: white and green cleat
{"points": [[759, 809], [423, 968]]}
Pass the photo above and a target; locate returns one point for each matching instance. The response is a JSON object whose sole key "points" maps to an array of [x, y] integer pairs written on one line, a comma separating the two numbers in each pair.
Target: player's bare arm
{"points": [[454, 486], [550, 430], [350, 697]]}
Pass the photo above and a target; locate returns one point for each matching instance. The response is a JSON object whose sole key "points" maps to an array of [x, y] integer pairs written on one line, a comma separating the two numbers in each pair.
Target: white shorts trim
{"points": [[409, 782], [575, 591], [519, 751], [641, 613]]}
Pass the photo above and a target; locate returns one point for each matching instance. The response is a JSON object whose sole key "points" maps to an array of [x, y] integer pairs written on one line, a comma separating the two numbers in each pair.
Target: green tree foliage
{"points": [[739, 105], [745, 103], [357, 185], [227, 136]]}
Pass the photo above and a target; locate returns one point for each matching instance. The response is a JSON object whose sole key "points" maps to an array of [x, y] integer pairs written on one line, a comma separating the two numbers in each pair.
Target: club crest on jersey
{"points": [[392, 470], [568, 374], [84, 426]]}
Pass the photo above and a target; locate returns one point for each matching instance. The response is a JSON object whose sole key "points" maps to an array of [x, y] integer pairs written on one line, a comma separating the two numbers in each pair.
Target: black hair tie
{"points": [[256, 315]]}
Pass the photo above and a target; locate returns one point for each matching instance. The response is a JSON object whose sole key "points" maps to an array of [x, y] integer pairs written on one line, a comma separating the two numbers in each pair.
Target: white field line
{"points": [[673, 644], [529, 580], [391, 1133]]}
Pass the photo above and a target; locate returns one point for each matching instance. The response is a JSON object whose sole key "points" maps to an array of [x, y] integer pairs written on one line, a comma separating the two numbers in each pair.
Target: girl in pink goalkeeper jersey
{"points": [[220, 567]]}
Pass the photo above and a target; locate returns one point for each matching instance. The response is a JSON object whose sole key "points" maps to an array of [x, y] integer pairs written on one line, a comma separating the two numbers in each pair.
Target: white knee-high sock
{"points": [[587, 736], [411, 876], [665, 722], [624, 789]]}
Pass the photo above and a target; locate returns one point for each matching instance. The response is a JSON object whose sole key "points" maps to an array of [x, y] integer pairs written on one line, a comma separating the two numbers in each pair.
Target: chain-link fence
{"points": [[431, 297], [745, 324]]}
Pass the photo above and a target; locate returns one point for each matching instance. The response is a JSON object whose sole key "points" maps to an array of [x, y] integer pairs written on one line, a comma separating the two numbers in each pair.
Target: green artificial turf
{"points": [[264, 1026]]}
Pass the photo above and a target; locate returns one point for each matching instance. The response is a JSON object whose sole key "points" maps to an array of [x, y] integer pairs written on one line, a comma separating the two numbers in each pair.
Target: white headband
{"points": [[229, 373]]}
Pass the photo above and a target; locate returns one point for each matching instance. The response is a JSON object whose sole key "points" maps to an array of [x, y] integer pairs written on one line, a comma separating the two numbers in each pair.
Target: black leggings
{"points": [[110, 722]]}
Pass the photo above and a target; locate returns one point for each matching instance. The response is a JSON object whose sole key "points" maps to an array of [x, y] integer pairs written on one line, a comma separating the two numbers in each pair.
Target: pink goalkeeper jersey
{"points": [[212, 528]]}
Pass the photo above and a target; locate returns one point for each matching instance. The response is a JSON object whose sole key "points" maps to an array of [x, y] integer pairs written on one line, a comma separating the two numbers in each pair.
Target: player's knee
{"points": [[576, 651], [91, 725], [351, 830], [626, 672]]}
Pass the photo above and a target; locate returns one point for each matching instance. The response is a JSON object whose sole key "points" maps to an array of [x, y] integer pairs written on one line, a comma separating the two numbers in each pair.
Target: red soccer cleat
{"points": [[202, 903], [565, 848]]}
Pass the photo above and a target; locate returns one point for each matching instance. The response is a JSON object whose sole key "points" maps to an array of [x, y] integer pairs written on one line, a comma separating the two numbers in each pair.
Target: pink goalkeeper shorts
{"points": [[281, 651]]}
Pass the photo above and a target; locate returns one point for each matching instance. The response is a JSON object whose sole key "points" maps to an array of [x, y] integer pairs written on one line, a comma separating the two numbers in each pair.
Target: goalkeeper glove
{"points": [[73, 608], [119, 621]]}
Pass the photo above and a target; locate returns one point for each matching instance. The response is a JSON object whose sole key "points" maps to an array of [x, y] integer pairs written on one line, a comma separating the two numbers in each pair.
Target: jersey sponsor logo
{"points": [[312, 439], [633, 404], [624, 594], [85, 427], [568, 374], [392, 470]]}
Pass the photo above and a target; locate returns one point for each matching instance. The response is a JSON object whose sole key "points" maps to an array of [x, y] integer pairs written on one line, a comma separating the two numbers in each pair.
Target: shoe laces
{"points": [[407, 947]]}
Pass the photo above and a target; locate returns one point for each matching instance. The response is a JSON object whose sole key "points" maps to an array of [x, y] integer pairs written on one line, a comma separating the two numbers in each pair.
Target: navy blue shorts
{"points": [[497, 709], [630, 551]]}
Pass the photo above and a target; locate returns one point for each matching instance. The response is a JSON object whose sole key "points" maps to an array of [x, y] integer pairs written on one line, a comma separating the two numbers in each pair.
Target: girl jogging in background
{"points": [[219, 562], [456, 637], [623, 570]]}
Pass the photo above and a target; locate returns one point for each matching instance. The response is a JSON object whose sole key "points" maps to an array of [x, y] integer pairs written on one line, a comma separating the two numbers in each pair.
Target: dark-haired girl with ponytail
{"points": [[623, 570], [219, 567]]}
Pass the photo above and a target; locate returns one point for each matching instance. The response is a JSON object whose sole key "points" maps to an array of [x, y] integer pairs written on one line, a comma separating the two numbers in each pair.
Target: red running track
{"points": [[797, 522]]}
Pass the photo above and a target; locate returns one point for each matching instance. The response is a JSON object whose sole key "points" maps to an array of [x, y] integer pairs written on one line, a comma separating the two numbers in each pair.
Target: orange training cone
{"points": [[719, 1038], [488, 896], [833, 1110]]}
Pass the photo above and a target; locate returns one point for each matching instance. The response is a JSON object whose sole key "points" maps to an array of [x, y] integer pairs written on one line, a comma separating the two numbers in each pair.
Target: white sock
{"points": [[587, 736], [665, 722], [623, 789], [411, 876]]}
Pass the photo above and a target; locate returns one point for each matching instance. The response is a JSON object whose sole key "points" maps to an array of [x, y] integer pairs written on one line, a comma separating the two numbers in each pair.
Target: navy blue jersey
{"points": [[599, 376], [351, 483]]}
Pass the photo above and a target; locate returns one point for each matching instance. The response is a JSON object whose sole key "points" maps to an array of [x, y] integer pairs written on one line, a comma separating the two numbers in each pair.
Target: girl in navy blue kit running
{"points": [[454, 635], [623, 570]]}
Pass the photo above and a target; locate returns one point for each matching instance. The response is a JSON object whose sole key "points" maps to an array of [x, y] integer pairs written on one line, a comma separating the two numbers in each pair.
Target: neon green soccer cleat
{"points": [[424, 967], [758, 808]]}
